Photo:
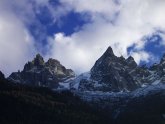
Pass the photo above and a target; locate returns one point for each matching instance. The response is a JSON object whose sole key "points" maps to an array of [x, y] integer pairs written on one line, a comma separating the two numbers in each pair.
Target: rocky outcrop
{"points": [[112, 73], [40, 73]]}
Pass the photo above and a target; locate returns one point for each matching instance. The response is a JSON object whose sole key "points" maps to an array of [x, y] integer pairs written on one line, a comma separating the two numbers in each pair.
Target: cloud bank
{"points": [[120, 24], [16, 44], [117, 23], [21, 32]]}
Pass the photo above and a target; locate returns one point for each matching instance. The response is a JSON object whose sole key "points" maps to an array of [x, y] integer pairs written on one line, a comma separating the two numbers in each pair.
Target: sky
{"points": [[77, 32]]}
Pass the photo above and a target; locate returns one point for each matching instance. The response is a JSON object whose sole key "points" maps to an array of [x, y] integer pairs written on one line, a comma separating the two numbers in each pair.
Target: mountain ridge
{"points": [[109, 74], [41, 73], [115, 74], [122, 91]]}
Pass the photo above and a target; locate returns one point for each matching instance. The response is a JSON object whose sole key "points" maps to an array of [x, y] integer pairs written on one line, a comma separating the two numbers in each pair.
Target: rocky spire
{"points": [[109, 52], [40, 73], [38, 60]]}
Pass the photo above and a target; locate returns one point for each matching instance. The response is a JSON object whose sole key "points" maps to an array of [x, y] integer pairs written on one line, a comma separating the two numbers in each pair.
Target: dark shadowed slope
{"points": [[21, 104]]}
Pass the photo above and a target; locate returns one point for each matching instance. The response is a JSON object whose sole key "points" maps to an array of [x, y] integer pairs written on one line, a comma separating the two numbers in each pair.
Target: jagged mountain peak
{"points": [[109, 52], [112, 73], [38, 60], [40, 73], [109, 73], [107, 58]]}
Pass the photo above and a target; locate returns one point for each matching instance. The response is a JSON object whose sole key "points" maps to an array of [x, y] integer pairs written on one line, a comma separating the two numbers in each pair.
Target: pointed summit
{"points": [[38, 60], [109, 52], [40, 73]]}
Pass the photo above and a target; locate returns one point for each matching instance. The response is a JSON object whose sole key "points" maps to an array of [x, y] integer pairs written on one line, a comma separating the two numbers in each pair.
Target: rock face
{"points": [[112, 73], [40, 73]]}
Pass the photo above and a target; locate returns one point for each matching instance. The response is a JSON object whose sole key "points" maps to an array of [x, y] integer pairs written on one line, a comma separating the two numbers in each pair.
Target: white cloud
{"points": [[119, 25], [141, 55], [116, 23], [104, 7], [16, 44], [70, 52]]}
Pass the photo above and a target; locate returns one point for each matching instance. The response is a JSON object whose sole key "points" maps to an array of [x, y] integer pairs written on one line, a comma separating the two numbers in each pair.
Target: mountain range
{"points": [[117, 87], [109, 74]]}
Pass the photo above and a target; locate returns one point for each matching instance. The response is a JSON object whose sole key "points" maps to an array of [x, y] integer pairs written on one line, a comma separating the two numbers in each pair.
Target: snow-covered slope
{"points": [[148, 100], [99, 96]]}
